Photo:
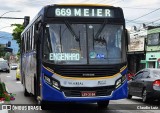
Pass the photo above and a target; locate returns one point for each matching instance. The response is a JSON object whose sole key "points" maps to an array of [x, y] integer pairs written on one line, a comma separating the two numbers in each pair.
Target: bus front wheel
{"points": [[103, 104]]}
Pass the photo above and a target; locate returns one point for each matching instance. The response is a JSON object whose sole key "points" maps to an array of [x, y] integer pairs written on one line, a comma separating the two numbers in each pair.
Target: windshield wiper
{"points": [[77, 38], [100, 30], [71, 30], [95, 38]]}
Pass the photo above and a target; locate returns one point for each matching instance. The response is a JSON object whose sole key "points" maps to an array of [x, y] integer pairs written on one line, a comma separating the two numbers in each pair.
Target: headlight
{"points": [[120, 81], [48, 80], [51, 81], [55, 84]]}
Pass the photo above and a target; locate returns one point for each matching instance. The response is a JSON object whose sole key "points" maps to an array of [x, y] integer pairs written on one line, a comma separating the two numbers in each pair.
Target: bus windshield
{"points": [[74, 43]]}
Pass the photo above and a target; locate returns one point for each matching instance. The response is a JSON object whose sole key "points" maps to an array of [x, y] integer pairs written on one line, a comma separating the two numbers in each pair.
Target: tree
{"points": [[17, 33]]}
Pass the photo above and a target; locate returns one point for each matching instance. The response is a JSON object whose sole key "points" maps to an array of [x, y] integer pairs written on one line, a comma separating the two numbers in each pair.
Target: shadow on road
{"points": [[73, 108]]}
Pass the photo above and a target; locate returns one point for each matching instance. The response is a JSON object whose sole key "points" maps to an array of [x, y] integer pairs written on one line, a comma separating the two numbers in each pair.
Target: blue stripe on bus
{"points": [[124, 71], [48, 73]]}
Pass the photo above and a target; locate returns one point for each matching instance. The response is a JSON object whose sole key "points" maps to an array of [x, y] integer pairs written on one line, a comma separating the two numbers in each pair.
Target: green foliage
{"points": [[2, 89], [7, 56], [2, 52], [17, 33]]}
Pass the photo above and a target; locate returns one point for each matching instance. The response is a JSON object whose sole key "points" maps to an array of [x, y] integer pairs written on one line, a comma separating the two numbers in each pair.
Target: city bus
{"points": [[75, 53]]}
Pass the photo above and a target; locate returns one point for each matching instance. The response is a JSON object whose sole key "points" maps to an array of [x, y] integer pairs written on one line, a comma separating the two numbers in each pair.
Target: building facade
{"points": [[136, 50], [153, 47]]}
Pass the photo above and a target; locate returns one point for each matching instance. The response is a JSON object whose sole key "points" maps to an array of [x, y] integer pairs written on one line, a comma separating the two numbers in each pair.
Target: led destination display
{"points": [[83, 12]]}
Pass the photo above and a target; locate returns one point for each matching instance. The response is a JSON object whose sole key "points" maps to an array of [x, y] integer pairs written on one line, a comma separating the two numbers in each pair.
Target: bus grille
{"points": [[76, 92], [87, 71]]}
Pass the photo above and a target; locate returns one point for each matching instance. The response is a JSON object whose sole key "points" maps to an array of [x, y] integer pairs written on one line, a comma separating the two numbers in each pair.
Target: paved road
{"points": [[116, 106]]}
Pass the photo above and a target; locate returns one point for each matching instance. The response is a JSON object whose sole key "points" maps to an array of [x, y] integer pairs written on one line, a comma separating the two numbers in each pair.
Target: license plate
{"points": [[88, 93]]}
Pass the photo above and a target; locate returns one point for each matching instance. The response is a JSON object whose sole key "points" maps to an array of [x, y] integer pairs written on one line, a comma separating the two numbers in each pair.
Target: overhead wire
{"points": [[153, 21], [43, 2], [144, 15]]}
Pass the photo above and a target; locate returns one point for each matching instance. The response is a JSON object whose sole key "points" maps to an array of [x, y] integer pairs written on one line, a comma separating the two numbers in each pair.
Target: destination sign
{"points": [[84, 12], [64, 56]]}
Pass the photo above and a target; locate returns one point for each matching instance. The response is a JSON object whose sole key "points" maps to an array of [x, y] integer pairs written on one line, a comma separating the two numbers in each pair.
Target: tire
{"points": [[144, 96], [103, 104], [129, 96]]}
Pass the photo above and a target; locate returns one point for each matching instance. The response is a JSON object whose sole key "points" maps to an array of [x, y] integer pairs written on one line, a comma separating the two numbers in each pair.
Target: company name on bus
{"points": [[64, 56], [83, 12]]}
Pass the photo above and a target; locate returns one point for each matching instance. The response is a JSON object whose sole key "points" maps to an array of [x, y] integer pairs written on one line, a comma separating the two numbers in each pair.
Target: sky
{"points": [[136, 12]]}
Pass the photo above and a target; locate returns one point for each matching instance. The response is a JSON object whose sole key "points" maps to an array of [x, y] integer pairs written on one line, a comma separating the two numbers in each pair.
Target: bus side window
{"points": [[25, 44], [27, 37], [33, 37], [30, 44], [22, 44]]}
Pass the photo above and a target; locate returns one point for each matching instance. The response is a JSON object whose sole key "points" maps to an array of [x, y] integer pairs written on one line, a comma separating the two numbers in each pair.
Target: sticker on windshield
{"points": [[64, 56], [99, 56], [92, 55]]}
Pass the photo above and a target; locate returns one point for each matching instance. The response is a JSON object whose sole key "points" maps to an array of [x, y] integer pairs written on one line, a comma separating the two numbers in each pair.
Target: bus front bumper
{"points": [[51, 94]]}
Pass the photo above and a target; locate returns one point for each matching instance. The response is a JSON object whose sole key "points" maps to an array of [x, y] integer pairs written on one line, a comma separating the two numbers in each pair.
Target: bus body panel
{"points": [[29, 70], [55, 95]]}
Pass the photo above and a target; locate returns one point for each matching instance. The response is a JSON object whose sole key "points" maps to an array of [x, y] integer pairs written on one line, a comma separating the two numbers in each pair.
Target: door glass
{"points": [[138, 76]]}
